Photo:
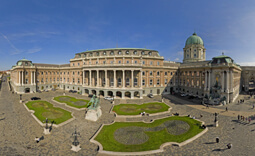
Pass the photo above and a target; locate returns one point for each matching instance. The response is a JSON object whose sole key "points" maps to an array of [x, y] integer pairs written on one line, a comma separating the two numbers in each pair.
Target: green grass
{"points": [[45, 109], [72, 99], [106, 135], [135, 109]]}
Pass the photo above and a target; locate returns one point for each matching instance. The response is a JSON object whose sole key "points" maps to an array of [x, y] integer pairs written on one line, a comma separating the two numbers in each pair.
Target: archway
{"points": [[110, 93], [119, 94], [101, 93], [137, 94], [94, 92], [27, 90], [128, 94]]}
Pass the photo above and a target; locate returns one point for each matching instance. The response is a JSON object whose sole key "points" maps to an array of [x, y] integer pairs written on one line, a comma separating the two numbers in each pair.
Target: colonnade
{"points": [[226, 81], [97, 77], [22, 78]]}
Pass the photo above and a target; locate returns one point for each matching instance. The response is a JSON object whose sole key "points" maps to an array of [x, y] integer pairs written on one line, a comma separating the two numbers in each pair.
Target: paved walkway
{"points": [[18, 129]]}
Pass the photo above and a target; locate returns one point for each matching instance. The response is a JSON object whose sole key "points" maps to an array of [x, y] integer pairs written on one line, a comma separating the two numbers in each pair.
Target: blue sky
{"points": [[51, 31]]}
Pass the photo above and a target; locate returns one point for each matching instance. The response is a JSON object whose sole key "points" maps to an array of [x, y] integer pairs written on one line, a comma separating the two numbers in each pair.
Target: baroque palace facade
{"points": [[135, 72]]}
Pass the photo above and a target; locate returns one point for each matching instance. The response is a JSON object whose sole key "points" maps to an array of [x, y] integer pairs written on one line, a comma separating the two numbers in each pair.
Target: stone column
{"points": [[222, 82], [205, 81], [106, 84], [114, 78], [209, 80], [227, 81], [90, 72], [97, 78], [19, 77], [31, 77], [83, 77], [132, 78], [123, 78], [141, 79], [34, 78], [231, 81], [22, 82]]}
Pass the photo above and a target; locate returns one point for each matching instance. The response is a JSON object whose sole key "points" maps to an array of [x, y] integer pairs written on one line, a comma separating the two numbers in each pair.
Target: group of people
{"points": [[229, 145], [143, 114], [242, 118], [241, 101]]}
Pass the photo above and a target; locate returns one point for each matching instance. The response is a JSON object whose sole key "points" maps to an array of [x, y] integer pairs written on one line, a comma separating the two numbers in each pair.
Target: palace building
{"points": [[136, 72]]}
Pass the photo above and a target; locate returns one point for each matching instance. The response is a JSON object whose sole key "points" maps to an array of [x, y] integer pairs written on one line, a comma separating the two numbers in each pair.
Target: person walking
{"points": [[238, 117], [217, 139], [226, 109], [253, 106], [37, 139], [229, 146]]}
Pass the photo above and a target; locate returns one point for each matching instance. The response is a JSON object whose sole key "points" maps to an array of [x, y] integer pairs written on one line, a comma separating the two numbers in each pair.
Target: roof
{"points": [[194, 39], [117, 49], [222, 56]]}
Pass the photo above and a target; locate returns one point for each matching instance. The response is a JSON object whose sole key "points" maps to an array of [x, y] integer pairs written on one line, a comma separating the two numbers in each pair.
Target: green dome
{"points": [[194, 39]]}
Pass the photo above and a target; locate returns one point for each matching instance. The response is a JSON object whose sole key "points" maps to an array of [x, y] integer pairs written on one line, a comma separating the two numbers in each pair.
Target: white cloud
{"points": [[34, 50], [247, 63]]}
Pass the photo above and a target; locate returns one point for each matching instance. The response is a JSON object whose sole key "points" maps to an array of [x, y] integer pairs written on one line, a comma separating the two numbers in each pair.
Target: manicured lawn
{"points": [[135, 109], [44, 109], [73, 102], [156, 138]]}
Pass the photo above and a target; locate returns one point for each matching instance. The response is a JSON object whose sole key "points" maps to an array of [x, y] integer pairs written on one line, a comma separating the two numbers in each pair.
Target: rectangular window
{"points": [[151, 63], [143, 82], [119, 81], [143, 73], [165, 73], [135, 62], [78, 80], [111, 80], [151, 81], [127, 62], [135, 82], [158, 82], [150, 73], [119, 62], [158, 63], [127, 81], [165, 81], [73, 80], [143, 62]]}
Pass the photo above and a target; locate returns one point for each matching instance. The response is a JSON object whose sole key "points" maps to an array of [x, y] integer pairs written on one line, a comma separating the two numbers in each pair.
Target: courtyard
{"points": [[18, 128]]}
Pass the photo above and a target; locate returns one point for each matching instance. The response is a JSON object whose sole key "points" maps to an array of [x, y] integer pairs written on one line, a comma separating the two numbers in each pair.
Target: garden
{"points": [[135, 109], [71, 101], [139, 136], [44, 109]]}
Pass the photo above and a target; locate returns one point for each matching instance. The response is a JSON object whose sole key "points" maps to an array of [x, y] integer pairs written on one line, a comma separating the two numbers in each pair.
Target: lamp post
{"points": [[20, 98], [75, 144]]}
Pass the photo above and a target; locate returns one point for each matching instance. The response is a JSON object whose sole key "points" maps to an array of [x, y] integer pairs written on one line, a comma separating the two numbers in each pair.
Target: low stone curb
{"points": [[161, 149], [43, 124], [78, 109]]}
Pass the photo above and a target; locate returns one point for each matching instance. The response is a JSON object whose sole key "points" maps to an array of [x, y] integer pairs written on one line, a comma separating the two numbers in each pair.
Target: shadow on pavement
{"points": [[218, 150], [208, 143]]}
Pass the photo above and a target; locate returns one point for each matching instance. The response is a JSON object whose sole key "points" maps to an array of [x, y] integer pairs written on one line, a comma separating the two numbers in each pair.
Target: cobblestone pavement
{"points": [[18, 129]]}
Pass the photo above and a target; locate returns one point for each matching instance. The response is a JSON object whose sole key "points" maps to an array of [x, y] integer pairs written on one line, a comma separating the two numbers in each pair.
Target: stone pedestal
{"points": [[75, 148], [64, 94], [46, 131], [216, 124], [94, 114], [20, 101]]}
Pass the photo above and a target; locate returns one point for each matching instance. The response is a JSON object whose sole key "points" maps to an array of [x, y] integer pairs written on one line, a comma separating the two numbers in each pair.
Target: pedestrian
{"points": [[37, 139], [253, 106], [201, 115], [229, 145], [217, 140], [238, 117], [246, 119], [226, 109], [249, 120]]}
